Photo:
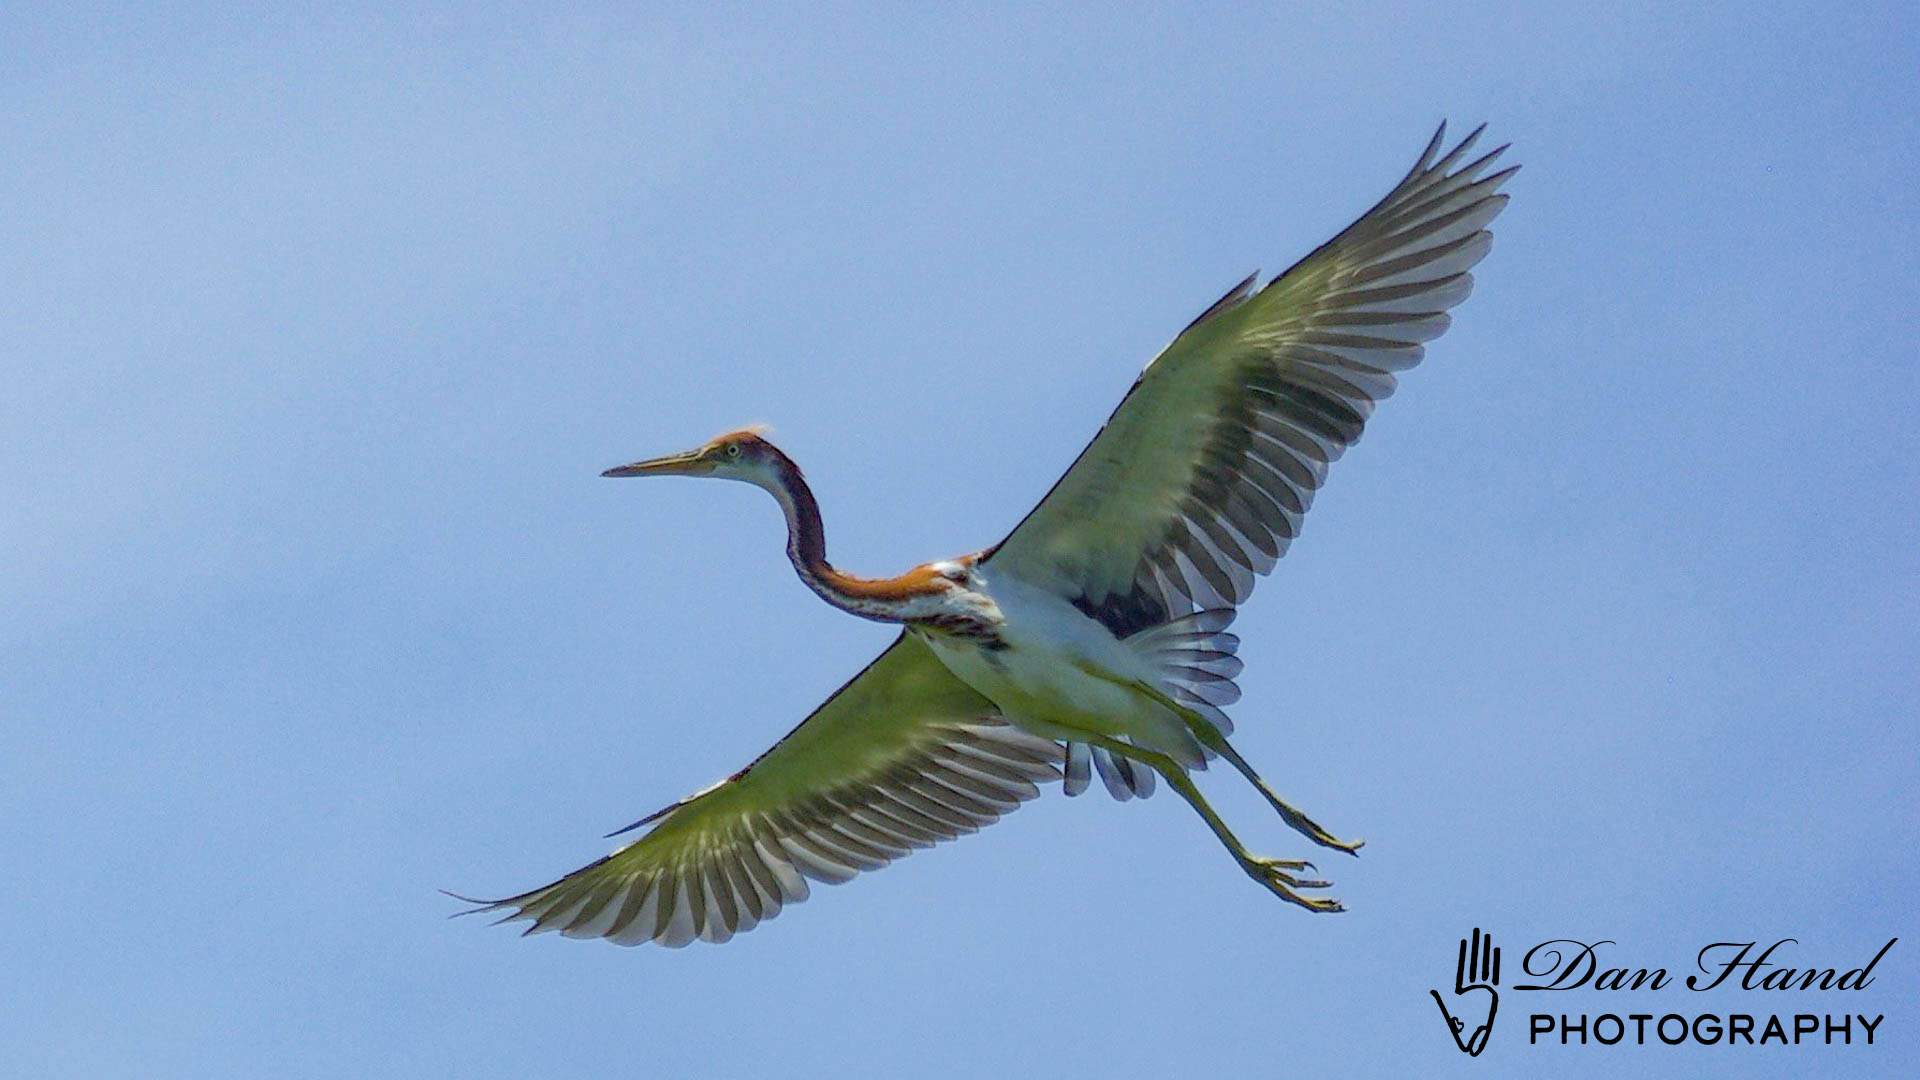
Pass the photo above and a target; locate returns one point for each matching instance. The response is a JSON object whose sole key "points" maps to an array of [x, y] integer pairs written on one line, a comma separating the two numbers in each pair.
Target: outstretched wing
{"points": [[1198, 482], [902, 757]]}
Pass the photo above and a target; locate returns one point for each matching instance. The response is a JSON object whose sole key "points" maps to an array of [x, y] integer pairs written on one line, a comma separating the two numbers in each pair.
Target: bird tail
{"points": [[1124, 779], [1192, 658]]}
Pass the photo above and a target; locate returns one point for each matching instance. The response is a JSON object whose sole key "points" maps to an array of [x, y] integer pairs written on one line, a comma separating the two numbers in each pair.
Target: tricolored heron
{"points": [[1094, 637]]}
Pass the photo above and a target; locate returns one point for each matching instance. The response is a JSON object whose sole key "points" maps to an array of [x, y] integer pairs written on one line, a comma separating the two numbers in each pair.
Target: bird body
{"points": [[1058, 672], [1094, 637]]}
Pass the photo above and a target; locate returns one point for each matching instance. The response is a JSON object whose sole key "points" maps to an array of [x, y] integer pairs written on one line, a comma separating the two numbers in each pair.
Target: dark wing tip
{"points": [[1433, 147], [479, 905]]}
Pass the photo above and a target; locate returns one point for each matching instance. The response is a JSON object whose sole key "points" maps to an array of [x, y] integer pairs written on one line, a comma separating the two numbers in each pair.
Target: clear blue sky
{"points": [[316, 330]]}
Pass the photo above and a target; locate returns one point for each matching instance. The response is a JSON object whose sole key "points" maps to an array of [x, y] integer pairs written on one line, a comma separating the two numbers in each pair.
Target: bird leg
{"points": [[1300, 822], [1276, 874], [1210, 736]]}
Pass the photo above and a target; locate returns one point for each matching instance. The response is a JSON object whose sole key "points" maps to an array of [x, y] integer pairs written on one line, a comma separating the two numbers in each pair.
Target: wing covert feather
{"points": [[1198, 482], [903, 756]]}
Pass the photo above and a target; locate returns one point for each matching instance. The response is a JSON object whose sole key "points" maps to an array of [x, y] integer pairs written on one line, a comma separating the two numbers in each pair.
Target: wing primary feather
{"points": [[1199, 480], [901, 757]]}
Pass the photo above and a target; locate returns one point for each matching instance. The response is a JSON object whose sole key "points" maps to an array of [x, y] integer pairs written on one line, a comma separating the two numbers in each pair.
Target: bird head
{"points": [[736, 455]]}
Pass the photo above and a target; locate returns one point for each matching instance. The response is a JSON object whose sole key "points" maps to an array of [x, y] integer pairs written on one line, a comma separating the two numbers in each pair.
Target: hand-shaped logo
{"points": [[1478, 972]]}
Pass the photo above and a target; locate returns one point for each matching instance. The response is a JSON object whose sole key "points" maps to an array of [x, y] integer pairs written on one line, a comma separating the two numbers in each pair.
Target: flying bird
{"points": [[1094, 638]]}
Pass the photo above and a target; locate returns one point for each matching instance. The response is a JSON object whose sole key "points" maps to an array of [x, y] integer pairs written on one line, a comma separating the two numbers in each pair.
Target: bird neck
{"points": [[881, 599]]}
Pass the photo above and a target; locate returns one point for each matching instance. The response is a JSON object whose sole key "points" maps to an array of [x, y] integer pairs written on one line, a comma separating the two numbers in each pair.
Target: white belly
{"points": [[1060, 672]]}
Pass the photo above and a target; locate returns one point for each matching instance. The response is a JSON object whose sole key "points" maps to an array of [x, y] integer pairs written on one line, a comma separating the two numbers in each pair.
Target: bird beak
{"points": [[688, 463]]}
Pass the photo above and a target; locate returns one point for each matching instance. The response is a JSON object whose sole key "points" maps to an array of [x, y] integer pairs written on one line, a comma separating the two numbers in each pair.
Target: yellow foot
{"points": [[1277, 876]]}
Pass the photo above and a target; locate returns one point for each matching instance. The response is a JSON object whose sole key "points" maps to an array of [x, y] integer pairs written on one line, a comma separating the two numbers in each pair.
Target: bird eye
{"points": [[733, 450]]}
